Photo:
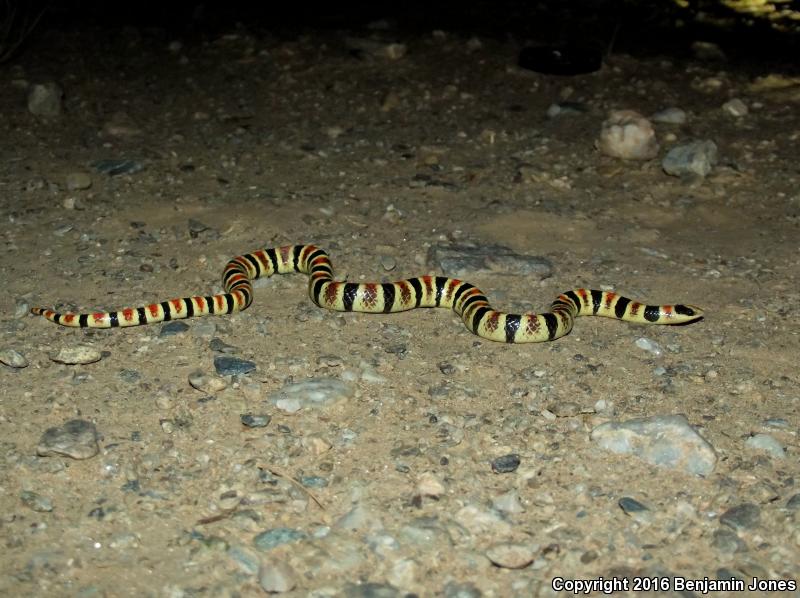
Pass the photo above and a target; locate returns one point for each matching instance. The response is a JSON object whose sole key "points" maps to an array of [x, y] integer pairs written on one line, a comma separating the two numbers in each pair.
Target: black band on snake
{"points": [[423, 291]]}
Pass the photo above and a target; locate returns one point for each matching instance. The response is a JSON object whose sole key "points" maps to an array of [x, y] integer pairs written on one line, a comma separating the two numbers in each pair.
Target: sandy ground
{"points": [[377, 155]]}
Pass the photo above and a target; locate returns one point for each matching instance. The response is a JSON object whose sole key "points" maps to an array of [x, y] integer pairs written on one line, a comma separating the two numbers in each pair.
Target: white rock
{"points": [[276, 577], [428, 484], [78, 355], [664, 440], [210, 384], [508, 502], [735, 107], [628, 135]]}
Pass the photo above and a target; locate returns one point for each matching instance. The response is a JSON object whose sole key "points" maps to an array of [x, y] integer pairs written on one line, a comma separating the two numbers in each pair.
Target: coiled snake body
{"points": [[423, 291]]}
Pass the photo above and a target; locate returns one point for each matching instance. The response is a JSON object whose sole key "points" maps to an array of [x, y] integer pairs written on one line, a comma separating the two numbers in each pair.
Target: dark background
{"points": [[637, 27]]}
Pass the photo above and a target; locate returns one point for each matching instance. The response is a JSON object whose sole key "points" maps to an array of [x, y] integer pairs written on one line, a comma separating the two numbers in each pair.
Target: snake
{"points": [[465, 299]]}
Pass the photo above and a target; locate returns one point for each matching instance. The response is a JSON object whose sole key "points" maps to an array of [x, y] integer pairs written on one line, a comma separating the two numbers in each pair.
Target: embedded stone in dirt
{"points": [[77, 439]]}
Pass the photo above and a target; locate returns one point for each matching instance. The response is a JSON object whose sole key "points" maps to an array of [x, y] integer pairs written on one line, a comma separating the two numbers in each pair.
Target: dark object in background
{"points": [[560, 60]]}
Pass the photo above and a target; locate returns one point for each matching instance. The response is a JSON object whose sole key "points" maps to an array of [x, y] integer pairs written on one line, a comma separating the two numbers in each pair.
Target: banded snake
{"points": [[423, 291]]}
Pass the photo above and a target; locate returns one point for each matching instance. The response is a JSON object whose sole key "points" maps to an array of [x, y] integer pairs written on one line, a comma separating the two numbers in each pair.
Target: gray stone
{"points": [[463, 260], [278, 535], [276, 577], [506, 463], [13, 358], [511, 556], [77, 439], [665, 440], [311, 393], [744, 516], [231, 366], [36, 502], [765, 442], [255, 421], [44, 99], [78, 180], [696, 158], [114, 167], [172, 328]]}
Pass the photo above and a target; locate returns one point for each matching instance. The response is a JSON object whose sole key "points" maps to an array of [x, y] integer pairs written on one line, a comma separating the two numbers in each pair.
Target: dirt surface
{"points": [[377, 153]]}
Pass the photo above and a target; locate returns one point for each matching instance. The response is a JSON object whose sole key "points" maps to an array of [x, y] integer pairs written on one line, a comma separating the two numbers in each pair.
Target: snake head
{"points": [[686, 313]]}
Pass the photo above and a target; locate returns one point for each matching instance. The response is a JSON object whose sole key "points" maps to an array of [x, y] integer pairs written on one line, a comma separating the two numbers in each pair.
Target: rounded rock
{"points": [[13, 358], [628, 135], [276, 577], [79, 355], [511, 556]]}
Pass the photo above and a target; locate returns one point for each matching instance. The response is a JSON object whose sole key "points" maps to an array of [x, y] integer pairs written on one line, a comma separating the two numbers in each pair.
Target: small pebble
{"points": [[209, 384], [511, 556], [508, 502], [313, 481], [78, 355], [388, 263], [428, 484], [728, 541], [741, 517], [117, 167], [276, 536], [246, 559], [631, 505], [129, 376], [315, 444], [217, 344], [635, 509], [173, 328], [765, 442], [506, 463], [628, 135], [13, 358], [735, 107], [255, 421], [564, 408], [650, 346], [76, 438], [232, 366], [672, 116], [36, 502], [276, 577], [76, 181]]}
